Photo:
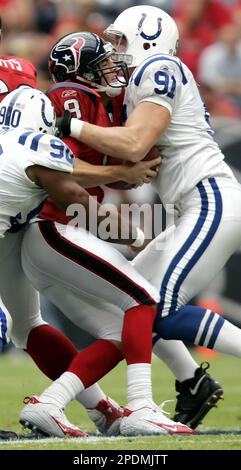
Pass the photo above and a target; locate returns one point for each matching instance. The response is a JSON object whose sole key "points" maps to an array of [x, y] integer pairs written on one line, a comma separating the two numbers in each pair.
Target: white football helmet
{"points": [[142, 31], [28, 108]]}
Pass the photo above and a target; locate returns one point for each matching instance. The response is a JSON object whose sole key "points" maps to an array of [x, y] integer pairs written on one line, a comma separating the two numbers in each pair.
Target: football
{"points": [[152, 154], [121, 185]]}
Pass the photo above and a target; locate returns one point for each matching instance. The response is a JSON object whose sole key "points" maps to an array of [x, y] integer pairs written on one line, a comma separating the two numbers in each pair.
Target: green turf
{"points": [[20, 377]]}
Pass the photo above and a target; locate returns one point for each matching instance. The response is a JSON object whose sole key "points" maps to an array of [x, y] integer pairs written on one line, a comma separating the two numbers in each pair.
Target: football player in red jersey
{"points": [[71, 260], [16, 72], [71, 60]]}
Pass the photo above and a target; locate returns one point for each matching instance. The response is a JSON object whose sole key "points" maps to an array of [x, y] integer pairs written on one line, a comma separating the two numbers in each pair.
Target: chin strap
{"points": [[112, 91]]}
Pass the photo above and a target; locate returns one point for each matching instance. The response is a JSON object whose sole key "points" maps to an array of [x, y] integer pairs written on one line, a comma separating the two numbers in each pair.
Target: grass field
{"points": [[20, 378]]}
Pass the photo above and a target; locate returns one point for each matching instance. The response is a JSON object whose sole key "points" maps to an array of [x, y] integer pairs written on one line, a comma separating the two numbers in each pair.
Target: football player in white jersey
{"points": [[14, 72], [193, 177], [32, 163]]}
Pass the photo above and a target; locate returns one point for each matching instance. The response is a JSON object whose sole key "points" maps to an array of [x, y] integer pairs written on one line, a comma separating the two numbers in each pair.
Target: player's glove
{"points": [[63, 124]]}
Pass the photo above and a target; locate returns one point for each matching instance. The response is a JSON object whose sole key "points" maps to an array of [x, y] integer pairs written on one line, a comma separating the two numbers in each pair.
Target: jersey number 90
{"points": [[9, 117]]}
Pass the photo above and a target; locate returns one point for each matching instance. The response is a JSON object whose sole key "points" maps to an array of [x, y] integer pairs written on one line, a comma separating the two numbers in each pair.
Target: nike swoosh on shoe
{"points": [[169, 428], [195, 389], [69, 431]]}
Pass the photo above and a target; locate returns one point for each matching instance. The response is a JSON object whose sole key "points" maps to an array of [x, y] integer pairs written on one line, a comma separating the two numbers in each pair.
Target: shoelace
{"points": [[160, 408]]}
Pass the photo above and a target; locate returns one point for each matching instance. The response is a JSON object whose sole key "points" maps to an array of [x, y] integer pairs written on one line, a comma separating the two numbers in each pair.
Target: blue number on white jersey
{"points": [[167, 84], [60, 150], [12, 119]]}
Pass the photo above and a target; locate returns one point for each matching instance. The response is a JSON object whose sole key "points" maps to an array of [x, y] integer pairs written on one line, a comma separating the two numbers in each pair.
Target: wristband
{"points": [[139, 239], [76, 127]]}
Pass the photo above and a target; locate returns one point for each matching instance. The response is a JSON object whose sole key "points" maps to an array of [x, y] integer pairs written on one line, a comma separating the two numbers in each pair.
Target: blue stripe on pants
{"points": [[3, 325], [192, 237], [208, 238]]}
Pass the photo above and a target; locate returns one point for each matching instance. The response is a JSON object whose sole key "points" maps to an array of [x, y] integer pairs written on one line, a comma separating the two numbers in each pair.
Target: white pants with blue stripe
{"points": [[17, 294], [206, 234]]}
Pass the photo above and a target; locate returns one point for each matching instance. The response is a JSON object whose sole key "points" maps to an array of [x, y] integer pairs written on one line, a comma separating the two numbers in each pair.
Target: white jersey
{"points": [[20, 198], [187, 147]]}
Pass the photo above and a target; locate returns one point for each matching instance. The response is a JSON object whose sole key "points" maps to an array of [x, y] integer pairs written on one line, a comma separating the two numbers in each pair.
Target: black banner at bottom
{"points": [[110, 459]]}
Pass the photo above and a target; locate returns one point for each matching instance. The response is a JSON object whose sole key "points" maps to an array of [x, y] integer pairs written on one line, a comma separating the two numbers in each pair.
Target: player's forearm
{"points": [[131, 142], [119, 142], [90, 176]]}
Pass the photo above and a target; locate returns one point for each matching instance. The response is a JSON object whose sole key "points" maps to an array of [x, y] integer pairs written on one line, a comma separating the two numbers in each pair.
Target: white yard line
{"points": [[54, 440]]}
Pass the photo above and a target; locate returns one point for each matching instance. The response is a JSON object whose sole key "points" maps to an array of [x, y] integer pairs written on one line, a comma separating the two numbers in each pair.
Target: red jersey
{"points": [[15, 72], [83, 103]]}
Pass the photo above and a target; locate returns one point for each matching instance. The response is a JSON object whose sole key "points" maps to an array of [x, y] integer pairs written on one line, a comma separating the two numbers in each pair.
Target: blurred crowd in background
{"points": [[210, 38], [210, 45]]}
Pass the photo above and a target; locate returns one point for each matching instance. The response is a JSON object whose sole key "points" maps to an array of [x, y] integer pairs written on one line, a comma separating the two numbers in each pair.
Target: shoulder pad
{"points": [[163, 62], [73, 86]]}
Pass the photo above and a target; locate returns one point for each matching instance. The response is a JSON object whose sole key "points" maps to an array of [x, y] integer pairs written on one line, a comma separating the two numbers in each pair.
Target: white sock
{"points": [[91, 396], [139, 386], [229, 340], [63, 390], [177, 358]]}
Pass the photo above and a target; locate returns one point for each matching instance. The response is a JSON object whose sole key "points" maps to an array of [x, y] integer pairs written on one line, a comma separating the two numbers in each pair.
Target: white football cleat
{"points": [[150, 421], [107, 416], [48, 419]]}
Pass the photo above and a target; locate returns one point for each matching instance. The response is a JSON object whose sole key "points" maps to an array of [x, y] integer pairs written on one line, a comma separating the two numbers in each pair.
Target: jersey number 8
{"points": [[73, 107]]}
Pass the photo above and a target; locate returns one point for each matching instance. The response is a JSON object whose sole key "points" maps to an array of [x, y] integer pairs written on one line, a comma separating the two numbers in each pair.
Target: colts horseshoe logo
{"points": [[45, 120], [154, 36]]}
